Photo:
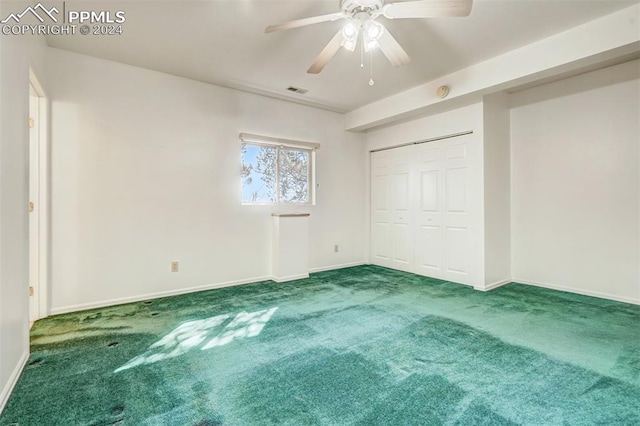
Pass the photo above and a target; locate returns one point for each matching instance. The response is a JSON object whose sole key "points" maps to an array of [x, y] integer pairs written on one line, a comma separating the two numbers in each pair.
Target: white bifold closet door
{"points": [[392, 188], [420, 209]]}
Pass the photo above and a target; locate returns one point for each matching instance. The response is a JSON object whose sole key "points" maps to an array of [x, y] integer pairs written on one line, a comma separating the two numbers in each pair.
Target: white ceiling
{"points": [[223, 42]]}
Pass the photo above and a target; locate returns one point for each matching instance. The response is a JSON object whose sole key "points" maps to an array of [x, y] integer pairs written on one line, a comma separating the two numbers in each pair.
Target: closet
{"points": [[422, 210]]}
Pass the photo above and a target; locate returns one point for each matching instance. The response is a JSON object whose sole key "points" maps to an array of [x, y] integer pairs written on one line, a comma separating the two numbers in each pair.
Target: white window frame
{"points": [[287, 144]]}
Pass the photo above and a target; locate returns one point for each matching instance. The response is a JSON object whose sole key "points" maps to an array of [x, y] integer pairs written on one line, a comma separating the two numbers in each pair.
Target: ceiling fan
{"points": [[361, 24]]}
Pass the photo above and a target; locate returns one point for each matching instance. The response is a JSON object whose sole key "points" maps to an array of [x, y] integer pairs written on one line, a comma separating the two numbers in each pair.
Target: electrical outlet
{"points": [[175, 266], [336, 248]]}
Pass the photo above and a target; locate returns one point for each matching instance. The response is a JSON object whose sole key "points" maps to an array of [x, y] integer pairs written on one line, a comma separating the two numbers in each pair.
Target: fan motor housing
{"points": [[353, 7]]}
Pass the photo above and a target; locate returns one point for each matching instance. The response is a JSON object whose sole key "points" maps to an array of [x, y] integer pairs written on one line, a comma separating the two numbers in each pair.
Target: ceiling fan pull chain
{"points": [[371, 82], [362, 51]]}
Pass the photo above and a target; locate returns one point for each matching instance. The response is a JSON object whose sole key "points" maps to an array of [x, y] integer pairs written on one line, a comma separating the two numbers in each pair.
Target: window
{"points": [[275, 171]]}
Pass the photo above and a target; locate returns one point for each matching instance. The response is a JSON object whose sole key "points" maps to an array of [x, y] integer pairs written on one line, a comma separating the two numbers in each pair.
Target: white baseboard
{"points": [[13, 379], [149, 296], [289, 278], [139, 298], [492, 286], [579, 291], [333, 267]]}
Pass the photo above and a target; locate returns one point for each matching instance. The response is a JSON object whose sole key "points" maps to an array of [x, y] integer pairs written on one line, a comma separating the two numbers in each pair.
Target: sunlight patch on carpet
{"points": [[192, 334]]}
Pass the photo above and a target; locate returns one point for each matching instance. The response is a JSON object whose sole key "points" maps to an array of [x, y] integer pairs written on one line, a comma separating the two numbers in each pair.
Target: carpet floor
{"points": [[357, 346]]}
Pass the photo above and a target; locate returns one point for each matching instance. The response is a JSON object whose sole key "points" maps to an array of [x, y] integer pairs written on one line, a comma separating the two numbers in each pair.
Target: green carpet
{"points": [[358, 346]]}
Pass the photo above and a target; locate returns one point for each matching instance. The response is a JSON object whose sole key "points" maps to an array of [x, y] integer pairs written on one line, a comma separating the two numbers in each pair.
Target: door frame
{"points": [[42, 204]]}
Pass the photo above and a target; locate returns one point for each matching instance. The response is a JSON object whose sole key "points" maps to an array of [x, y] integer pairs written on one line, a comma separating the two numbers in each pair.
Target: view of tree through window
{"points": [[273, 174]]}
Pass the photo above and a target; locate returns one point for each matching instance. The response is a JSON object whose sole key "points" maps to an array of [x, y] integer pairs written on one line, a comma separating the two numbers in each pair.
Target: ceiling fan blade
{"points": [[327, 53], [302, 22], [427, 9], [392, 50]]}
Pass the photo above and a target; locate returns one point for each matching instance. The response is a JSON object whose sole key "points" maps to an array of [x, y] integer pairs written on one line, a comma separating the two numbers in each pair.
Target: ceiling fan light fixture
{"points": [[350, 31], [350, 35], [350, 45], [373, 29], [371, 45]]}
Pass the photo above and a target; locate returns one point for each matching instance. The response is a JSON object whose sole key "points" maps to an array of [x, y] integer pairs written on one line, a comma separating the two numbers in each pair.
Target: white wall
{"points": [[466, 118], [17, 54], [497, 191], [146, 170], [576, 184]]}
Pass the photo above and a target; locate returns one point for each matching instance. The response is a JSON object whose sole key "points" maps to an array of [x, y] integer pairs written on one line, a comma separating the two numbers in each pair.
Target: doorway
{"points": [[38, 201]]}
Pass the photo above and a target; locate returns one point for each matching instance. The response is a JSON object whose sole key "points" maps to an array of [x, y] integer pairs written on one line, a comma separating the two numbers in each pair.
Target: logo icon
{"points": [[34, 11]]}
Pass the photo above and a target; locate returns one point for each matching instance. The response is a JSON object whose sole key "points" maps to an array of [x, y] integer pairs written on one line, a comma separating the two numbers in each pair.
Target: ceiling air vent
{"points": [[297, 90]]}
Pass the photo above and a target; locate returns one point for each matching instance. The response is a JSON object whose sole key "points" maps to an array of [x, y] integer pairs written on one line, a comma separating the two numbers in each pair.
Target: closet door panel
{"points": [[392, 227], [456, 236], [381, 247], [402, 205], [428, 243]]}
